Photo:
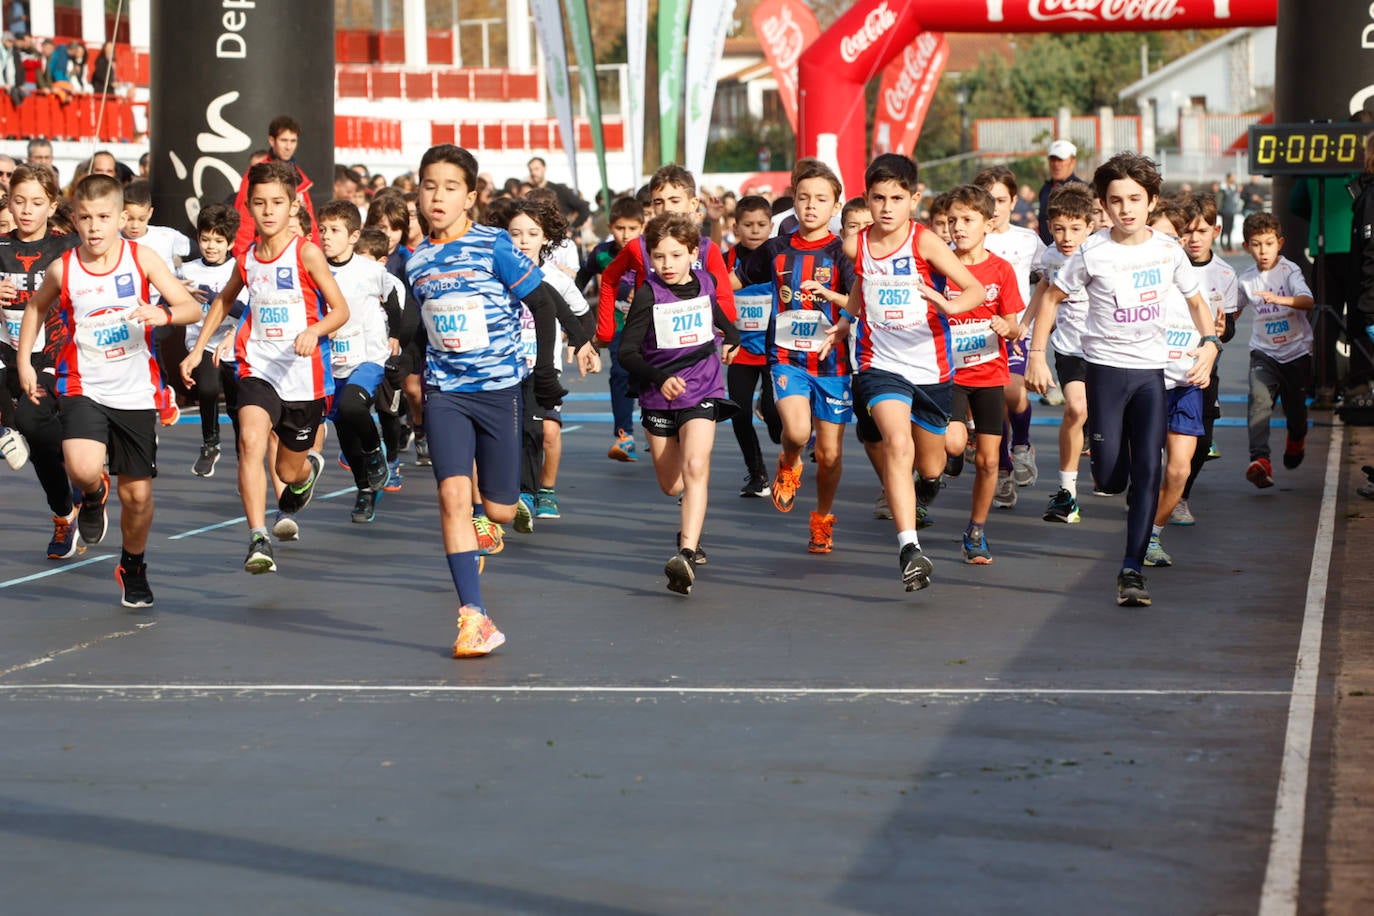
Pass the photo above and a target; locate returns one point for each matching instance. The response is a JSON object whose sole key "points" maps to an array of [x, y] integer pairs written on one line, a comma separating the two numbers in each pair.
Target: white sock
{"points": [[1155, 530], [1069, 481], [907, 537]]}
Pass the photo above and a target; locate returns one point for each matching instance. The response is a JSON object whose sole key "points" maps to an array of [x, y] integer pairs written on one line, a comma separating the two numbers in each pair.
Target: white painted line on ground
{"points": [[242, 518], [44, 659], [1279, 896], [56, 571], [631, 690]]}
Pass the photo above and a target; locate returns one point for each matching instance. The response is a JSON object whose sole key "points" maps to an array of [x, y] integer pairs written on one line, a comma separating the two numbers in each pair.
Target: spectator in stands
{"points": [[27, 64], [1062, 157], [574, 208], [7, 62], [103, 79], [18, 19], [40, 153], [77, 67], [6, 170]]}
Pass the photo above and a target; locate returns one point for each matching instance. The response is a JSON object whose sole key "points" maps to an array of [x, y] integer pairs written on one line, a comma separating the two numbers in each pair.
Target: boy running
{"points": [[749, 370]]}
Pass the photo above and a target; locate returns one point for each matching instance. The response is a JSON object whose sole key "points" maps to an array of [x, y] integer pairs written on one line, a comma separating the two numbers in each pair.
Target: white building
{"points": [[1232, 75]]}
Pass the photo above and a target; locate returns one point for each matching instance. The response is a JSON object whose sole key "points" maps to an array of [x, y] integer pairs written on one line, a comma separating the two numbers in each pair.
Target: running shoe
{"points": [[524, 514], [822, 538], [477, 635], [623, 449], [1054, 397], [285, 527], [1181, 514], [133, 582], [916, 568], [422, 459], [1004, 497], [785, 485], [259, 559], [1063, 507], [680, 574], [64, 544], [923, 519], [977, 553], [491, 538], [755, 486], [546, 503], [1213, 452], [1130, 589], [407, 436], [1023, 469], [365, 507], [880, 507], [343, 462], [1261, 473], [14, 448], [1293, 453], [394, 478], [297, 496], [1155, 555], [206, 461], [698, 554], [91, 517], [376, 469], [954, 465]]}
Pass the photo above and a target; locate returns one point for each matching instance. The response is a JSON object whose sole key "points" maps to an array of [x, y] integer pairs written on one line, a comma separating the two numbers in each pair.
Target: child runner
{"points": [[902, 351], [358, 352], [1126, 273], [811, 277], [749, 371], [25, 254], [1069, 215], [670, 344], [978, 341], [1280, 345], [107, 374], [216, 226], [470, 281], [627, 224], [282, 351], [390, 214]]}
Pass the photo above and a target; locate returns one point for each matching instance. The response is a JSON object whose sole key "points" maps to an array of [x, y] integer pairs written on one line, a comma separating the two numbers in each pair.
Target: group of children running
{"points": [[929, 338]]}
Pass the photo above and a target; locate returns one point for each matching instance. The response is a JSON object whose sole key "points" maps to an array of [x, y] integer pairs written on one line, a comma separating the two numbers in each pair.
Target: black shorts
{"points": [[986, 405], [666, 423], [294, 422], [1070, 369], [130, 436]]}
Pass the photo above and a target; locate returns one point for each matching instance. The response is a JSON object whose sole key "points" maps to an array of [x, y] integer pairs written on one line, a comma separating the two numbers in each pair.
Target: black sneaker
{"points": [[292, 500], [916, 569], [378, 474], [365, 507], [209, 457], [422, 452], [1062, 508], [1130, 589], [755, 486], [680, 574], [91, 518], [259, 559], [954, 465], [134, 582], [698, 555]]}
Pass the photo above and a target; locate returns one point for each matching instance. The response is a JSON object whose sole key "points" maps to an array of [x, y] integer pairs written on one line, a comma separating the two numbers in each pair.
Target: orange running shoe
{"points": [[822, 533], [477, 635], [785, 485], [491, 539]]}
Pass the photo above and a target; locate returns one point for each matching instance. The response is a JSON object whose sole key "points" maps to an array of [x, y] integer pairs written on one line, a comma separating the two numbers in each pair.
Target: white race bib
{"points": [[894, 303], [346, 350], [683, 324], [1276, 330], [1180, 338], [456, 324], [14, 320], [974, 343], [110, 338], [751, 312], [801, 330], [529, 339], [278, 318]]}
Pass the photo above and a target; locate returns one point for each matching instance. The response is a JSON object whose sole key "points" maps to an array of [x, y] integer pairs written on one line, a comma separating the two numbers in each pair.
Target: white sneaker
{"points": [[285, 528], [14, 448], [1023, 469], [1004, 497], [1181, 514]]}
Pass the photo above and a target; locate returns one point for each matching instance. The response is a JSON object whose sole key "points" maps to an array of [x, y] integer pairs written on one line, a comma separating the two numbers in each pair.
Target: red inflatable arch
{"points": [[833, 71]]}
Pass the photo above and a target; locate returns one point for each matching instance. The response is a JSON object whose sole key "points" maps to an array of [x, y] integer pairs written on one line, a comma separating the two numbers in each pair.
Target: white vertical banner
{"points": [[636, 49], [548, 22], [705, 43]]}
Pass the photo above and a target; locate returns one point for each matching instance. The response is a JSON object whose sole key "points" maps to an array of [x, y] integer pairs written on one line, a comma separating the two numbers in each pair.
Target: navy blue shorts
{"points": [[482, 427], [929, 403], [1186, 406]]}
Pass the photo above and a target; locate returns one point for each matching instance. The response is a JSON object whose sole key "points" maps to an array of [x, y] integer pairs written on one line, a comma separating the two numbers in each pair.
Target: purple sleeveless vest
{"points": [[704, 378]]}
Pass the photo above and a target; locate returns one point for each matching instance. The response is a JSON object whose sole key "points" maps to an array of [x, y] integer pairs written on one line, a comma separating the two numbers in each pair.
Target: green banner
{"points": [[672, 39], [586, 70]]}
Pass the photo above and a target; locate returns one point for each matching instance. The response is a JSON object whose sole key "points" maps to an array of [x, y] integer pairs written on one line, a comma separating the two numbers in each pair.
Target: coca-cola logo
{"points": [[915, 59], [1103, 10], [784, 38], [878, 21]]}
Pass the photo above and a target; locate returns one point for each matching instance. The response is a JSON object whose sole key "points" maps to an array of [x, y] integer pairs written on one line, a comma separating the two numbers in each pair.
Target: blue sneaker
{"points": [[63, 544], [977, 554], [524, 514], [546, 503], [623, 449], [394, 480]]}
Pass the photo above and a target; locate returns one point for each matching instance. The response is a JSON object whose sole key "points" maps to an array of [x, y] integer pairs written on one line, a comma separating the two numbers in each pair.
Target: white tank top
{"points": [[900, 331], [282, 301]]}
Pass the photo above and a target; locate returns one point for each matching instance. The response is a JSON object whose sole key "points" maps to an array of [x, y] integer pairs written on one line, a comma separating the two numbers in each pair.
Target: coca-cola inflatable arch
{"points": [[833, 71]]}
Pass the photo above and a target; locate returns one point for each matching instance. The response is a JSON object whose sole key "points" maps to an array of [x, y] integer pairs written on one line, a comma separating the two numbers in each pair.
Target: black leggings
{"points": [[741, 382], [1209, 418], [357, 433], [42, 427], [1127, 417], [210, 381]]}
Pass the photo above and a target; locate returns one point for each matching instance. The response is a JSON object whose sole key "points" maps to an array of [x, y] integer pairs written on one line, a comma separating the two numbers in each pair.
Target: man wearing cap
{"points": [[1063, 158]]}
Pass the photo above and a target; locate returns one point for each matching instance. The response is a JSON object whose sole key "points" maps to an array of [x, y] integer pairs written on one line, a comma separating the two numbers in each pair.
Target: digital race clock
{"points": [[1307, 149]]}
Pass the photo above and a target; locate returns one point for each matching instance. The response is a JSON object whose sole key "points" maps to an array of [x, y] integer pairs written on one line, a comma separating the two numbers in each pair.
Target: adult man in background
{"points": [[1063, 159], [574, 207]]}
